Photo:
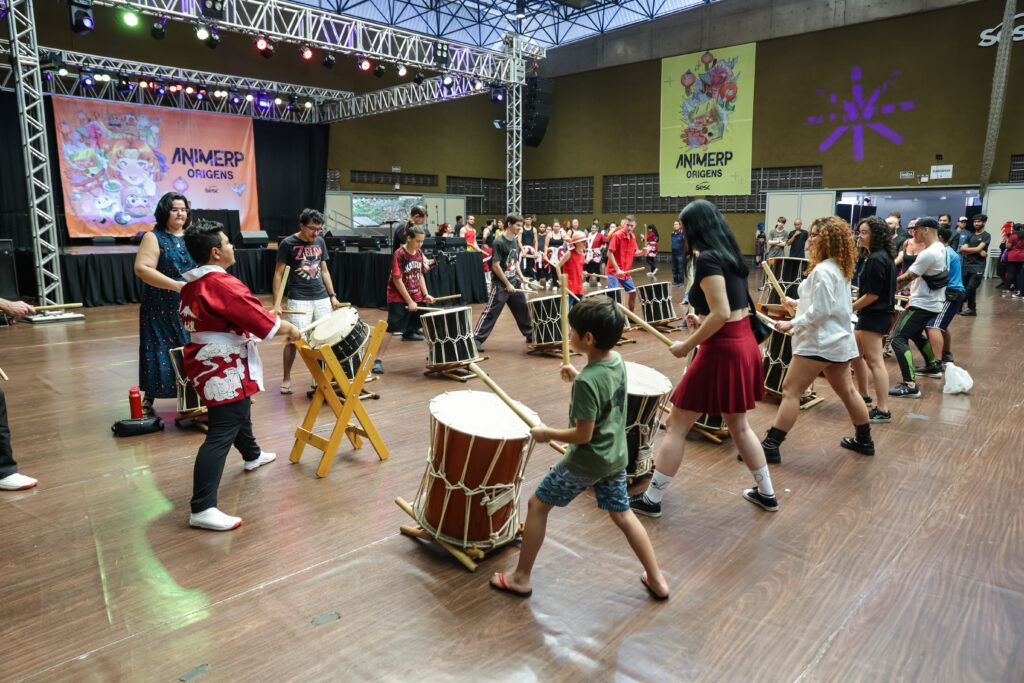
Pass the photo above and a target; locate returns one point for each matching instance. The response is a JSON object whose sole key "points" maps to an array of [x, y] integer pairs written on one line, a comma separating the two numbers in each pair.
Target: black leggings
{"points": [[229, 424]]}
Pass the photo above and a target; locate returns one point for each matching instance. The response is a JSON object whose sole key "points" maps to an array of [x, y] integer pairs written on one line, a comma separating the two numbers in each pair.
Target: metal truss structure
{"points": [[304, 24], [484, 23], [404, 96], [24, 62]]}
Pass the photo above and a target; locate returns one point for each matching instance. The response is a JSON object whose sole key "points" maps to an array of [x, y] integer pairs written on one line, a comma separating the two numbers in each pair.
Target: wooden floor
{"points": [[908, 566]]}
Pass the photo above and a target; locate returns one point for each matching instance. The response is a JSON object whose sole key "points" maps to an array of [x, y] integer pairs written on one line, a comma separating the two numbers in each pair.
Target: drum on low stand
{"points": [[450, 344], [347, 335], [647, 395], [789, 272], [546, 323], [616, 295], [656, 304], [190, 403], [469, 496], [776, 353], [711, 427]]}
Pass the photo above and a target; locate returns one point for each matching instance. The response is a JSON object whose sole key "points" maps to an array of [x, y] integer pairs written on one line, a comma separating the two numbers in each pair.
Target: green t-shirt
{"points": [[599, 394]]}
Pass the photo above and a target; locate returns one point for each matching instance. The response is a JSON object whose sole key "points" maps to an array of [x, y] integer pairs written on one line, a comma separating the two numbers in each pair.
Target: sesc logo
{"points": [[990, 36]]}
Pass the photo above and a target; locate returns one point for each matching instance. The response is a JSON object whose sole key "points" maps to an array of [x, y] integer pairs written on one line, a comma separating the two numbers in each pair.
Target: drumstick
{"points": [[3, 375], [564, 283], [56, 307], [445, 298], [643, 323], [428, 308], [778, 289], [280, 292], [510, 403], [770, 322], [309, 327]]}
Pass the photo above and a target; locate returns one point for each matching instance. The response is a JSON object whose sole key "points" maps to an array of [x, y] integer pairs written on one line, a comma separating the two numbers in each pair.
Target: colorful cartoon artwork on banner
{"points": [[117, 160], [707, 122]]}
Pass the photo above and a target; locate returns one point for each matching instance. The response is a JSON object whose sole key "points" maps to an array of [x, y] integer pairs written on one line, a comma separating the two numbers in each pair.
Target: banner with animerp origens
{"points": [[707, 122], [118, 159]]}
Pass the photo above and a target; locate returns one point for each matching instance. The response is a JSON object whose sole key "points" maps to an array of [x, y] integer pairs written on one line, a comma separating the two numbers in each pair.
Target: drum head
{"points": [[337, 326], [644, 381], [453, 312], [480, 413]]}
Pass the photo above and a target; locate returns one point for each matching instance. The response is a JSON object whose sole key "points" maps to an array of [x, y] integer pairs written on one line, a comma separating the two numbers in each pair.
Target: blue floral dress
{"points": [[160, 327]]}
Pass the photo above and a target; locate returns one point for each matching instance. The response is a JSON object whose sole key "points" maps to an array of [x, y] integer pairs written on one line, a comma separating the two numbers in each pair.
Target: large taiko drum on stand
{"points": [[647, 392], [449, 336], [347, 336], [469, 495], [616, 296], [546, 319], [789, 272], [656, 302]]}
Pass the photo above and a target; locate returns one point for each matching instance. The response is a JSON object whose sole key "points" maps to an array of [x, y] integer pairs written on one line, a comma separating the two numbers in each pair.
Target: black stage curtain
{"points": [[291, 172], [108, 279]]}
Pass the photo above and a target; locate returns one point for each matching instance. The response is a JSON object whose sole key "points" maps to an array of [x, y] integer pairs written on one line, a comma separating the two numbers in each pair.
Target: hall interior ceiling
{"points": [[484, 23]]}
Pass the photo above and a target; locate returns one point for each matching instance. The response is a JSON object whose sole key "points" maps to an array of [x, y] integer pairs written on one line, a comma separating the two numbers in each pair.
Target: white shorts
{"points": [[312, 310]]}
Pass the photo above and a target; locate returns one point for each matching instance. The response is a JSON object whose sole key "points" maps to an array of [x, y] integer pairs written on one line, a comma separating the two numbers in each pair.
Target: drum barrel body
{"points": [[647, 390], [656, 302], [188, 397], [778, 352], [546, 319], [449, 336]]}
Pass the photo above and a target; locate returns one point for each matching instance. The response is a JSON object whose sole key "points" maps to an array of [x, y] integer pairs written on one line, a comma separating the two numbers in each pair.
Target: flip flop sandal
{"points": [[286, 389], [643, 580], [504, 587]]}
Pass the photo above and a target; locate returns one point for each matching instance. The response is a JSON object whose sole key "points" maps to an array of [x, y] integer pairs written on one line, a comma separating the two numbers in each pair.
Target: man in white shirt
{"points": [[927, 297]]}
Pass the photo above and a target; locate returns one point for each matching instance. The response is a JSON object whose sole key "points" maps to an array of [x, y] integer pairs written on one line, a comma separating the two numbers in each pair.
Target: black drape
{"points": [[291, 172]]}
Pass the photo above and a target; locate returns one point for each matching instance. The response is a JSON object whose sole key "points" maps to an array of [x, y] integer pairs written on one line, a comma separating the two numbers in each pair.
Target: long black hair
{"points": [[163, 210], [706, 230], [881, 236]]}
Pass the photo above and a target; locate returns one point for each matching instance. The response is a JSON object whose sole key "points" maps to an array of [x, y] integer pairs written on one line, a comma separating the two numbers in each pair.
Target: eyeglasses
{"points": [[811, 234]]}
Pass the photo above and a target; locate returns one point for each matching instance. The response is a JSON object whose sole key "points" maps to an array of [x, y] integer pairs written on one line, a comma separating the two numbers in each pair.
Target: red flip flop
{"points": [[509, 589], [643, 580]]}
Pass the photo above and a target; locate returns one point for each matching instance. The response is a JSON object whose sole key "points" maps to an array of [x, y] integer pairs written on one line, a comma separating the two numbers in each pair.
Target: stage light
{"points": [[402, 71], [499, 124], [63, 71], [235, 99], [418, 78], [158, 30], [189, 90], [80, 16], [265, 47], [103, 77], [213, 9], [264, 101], [379, 70], [277, 101], [202, 33], [213, 41], [309, 105], [329, 60], [363, 64], [199, 95], [124, 86], [129, 18], [448, 80], [293, 101], [86, 79], [143, 84], [441, 55], [497, 93], [306, 52], [249, 97], [520, 9]]}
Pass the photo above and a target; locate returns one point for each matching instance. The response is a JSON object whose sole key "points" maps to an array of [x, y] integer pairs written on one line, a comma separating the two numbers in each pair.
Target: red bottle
{"points": [[135, 402]]}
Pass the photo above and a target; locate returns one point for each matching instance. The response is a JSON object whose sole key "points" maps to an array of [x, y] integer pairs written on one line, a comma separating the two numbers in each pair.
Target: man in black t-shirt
{"points": [[974, 251], [796, 240], [505, 281], [309, 288]]}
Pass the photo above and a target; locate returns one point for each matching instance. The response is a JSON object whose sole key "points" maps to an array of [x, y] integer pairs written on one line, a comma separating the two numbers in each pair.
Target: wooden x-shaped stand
{"points": [[343, 412]]}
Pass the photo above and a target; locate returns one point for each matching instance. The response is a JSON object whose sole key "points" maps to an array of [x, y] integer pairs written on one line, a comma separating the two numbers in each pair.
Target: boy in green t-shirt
{"points": [[597, 448]]}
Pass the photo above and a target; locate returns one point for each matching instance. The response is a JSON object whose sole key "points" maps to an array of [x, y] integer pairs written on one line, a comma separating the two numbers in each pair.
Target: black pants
{"points": [[678, 271], [528, 266], [912, 327], [651, 264], [1013, 274], [230, 423], [7, 464], [971, 283], [495, 302]]}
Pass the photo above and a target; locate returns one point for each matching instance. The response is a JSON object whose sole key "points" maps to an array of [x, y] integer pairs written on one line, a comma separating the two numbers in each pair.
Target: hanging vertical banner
{"points": [[118, 159], [707, 122]]}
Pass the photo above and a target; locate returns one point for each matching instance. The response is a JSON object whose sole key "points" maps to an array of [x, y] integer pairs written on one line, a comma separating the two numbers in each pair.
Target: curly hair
{"points": [[835, 241], [881, 236]]}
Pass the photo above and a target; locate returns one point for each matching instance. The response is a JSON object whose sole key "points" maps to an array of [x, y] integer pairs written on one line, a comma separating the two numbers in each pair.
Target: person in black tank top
{"points": [[528, 242], [553, 247]]}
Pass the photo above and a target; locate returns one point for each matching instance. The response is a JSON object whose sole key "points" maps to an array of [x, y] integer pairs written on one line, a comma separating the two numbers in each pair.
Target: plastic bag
{"points": [[958, 380]]}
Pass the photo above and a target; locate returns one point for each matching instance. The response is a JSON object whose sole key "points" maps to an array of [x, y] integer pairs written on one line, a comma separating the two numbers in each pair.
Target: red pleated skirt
{"points": [[726, 376]]}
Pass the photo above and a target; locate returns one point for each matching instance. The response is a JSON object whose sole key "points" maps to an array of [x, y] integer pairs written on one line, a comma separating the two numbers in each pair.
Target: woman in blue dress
{"points": [[160, 263]]}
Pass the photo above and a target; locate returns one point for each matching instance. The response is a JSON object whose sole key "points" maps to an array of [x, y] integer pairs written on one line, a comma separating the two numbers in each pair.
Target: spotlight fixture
{"points": [[213, 41], [213, 9], [497, 93], [63, 71], [189, 90], [143, 84], [235, 99], [202, 33], [379, 70], [86, 79], [124, 86], [51, 60], [293, 101], [265, 47], [249, 97], [308, 105], [159, 30], [418, 78], [80, 16], [105, 78], [441, 54], [363, 64], [478, 84], [306, 52], [448, 80], [499, 124], [520, 9], [129, 18], [329, 60], [277, 101]]}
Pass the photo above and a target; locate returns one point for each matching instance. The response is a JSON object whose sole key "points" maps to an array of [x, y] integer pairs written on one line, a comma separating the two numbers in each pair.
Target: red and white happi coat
{"points": [[225, 321], [595, 240]]}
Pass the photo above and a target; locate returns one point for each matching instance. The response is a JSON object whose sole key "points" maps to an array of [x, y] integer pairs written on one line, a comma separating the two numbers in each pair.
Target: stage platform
{"points": [[104, 276]]}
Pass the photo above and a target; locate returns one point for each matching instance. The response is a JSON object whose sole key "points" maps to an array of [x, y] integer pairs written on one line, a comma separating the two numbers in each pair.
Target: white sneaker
{"points": [[17, 482], [654, 272], [214, 520], [264, 458]]}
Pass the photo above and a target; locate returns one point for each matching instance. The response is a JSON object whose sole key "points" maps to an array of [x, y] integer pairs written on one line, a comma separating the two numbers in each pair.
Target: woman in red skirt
{"points": [[726, 377]]}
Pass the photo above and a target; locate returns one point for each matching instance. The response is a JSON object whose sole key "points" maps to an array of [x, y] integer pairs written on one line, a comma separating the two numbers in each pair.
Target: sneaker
{"points": [[947, 358], [654, 272], [933, 371], [378, 367], [479, 346], [412, 336], [769, 503], [642, 506], [876, 416], [17, 482], [970, 312], [852, 444], [264, 458], [867, 400], [214, 520], [1017, 296], [904, 390]]}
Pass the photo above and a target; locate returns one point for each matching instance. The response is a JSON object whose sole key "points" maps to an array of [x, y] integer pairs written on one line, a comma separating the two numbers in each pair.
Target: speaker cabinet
{"points": [[536, 110], [8, 273], [252, 239]]}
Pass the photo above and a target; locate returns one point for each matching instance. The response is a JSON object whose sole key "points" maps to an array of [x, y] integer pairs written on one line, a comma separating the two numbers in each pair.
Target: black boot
{"points": [[772, 440], [862, 442]]}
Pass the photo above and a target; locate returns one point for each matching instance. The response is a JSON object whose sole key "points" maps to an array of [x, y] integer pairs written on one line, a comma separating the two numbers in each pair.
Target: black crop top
{"points": [[707, 265]]}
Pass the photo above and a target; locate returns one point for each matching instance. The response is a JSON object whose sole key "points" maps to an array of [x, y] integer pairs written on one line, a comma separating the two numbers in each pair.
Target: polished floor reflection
{"points": [[905, 566]]}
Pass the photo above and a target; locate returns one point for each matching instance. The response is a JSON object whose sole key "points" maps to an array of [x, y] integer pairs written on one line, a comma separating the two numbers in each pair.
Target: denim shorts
{"points": [[561, 486], [626, 284]]}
